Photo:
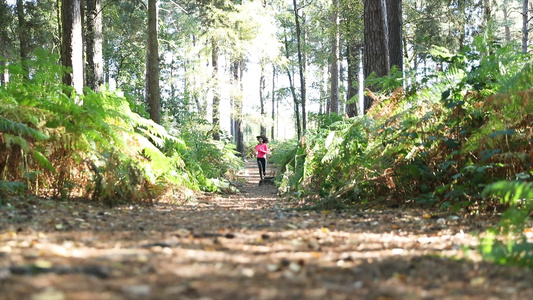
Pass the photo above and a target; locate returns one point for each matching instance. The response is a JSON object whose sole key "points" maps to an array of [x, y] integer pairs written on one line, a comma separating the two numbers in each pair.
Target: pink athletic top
{"points": [[261, 150]]}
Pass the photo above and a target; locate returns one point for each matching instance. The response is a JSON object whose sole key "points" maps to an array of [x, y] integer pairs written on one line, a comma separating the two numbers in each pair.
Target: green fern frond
{"points": [[10, 187], [331, 145], [43, 161], [11, 140], [20, 129], [510, 191]]}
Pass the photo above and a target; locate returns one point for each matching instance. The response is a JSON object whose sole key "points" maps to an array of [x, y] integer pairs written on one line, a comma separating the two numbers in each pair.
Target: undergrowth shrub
{"points": [[510, 241], [207, 159], [64, 145], [439, 146]]}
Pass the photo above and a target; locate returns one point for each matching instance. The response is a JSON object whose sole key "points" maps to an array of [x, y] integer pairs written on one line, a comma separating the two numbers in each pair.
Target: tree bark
{"points": [[525, 31], [376, 53], [216, 95], [262, 87], [351, 107], [506, 11], [293, 92], [324, 91], [394, 24], [5, 41], [152, 65], [238, 68], [461, 26], [273, 101], [95, 65], [72, 43], [334, 63], [193, 88], [487, 13], [232, 99], [22, 34], [301, 65]]}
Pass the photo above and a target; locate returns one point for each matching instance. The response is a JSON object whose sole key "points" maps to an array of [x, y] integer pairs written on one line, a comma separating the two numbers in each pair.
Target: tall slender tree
{"points": [[296, 103], [24, 46], [351, 31], [273, 98], [460, 22], [301, 65], [152, 66], [353, 58], [506, 13], [334, 60], [394, 25], [95, 65], [376, 55], [262, 97], [72, 43], [216, 92], [5, 39], [525, 29], [237, 70]]}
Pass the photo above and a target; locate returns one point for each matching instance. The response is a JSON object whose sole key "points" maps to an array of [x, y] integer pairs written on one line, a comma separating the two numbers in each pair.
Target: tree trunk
{"points": [[72, 43], [394, 24], [376, 56], [273, 101], [240, 142], [293, 92], [342, 102], [216, 95], [334, 61], [233, 80], [22, 32], [487, 13], [506, 12], [95, 65], [301, 65], [233, 95], [324, 91], [351, 107], [152, 71], [361, 84], [5, 41], [525, 31], [238, 69], [192, 87], [262, 87], [461, 26]]}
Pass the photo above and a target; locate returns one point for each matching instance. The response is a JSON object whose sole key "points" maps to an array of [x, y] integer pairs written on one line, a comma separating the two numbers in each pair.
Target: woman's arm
{"points": [[264, 149]]}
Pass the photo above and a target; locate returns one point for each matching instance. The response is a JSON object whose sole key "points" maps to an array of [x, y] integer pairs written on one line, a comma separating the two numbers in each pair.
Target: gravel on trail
{"points": [[247, 245]]}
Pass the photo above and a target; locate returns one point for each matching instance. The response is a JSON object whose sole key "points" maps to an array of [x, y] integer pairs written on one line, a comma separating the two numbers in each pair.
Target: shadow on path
{"points": [[253, 194], [242, 246]]}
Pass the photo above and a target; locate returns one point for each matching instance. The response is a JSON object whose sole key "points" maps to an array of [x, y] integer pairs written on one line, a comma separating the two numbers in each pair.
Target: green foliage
{"points": [[386, 84], [10, 188], [205, 158], [288, 156], [124, 47], [508, 242], [461, 140], [94, 145], [322, 165], [458, 131], [283, 152]]}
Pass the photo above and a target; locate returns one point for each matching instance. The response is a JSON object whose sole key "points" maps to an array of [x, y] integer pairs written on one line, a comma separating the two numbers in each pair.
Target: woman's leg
{"points": [[261, 164]]}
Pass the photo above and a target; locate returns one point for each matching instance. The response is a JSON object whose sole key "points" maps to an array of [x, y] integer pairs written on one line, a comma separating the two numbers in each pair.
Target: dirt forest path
{"points": [[250, 245]]}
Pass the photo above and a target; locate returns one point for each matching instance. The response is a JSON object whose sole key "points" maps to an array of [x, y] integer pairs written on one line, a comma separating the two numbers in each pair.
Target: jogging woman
{"points": [[261, 151]]}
